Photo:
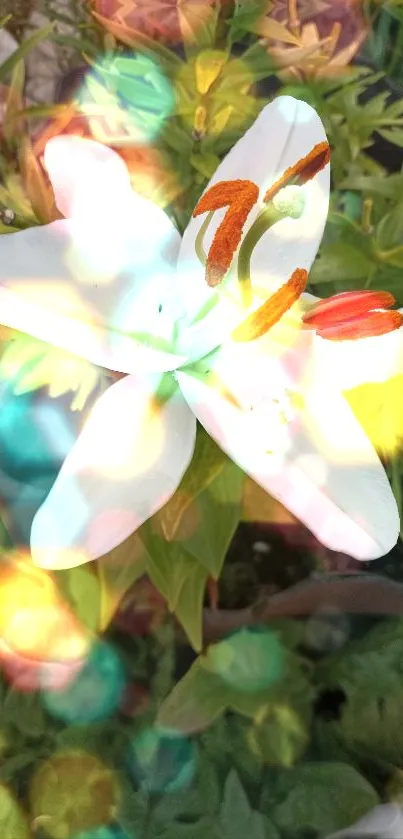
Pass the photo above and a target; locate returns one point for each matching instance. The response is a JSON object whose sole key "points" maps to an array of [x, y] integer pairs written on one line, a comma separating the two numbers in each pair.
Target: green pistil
{"points": [[264, 221], [200, 252]]}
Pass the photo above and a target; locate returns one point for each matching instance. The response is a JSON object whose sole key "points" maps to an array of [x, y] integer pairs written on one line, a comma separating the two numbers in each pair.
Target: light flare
{"points": [[34, 622]]}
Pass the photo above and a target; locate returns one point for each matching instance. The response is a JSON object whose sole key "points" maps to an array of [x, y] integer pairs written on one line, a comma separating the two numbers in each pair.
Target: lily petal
{"points": [[113, 227], [53, 287], [126, 464], [285, 131], [86, 176], [297, 437], [356, 362]]}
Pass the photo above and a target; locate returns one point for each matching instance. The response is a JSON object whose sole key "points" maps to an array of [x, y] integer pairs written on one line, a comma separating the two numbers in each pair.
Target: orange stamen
{"points": [[260, 321], [351, 315], [369, 326], [304, 170], [239, 196], [342, 307]]}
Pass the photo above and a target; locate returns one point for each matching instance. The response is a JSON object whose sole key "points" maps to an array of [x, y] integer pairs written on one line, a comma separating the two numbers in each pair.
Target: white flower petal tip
{"points": [[383, 822], [301, 443], [53, 558], [86, 174], [128, 461]]}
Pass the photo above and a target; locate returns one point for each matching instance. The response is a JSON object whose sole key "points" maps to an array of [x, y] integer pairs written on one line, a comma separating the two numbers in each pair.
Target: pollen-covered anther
{"points": [[303, 171], [239, 196], [354, 314], [260, 321]]}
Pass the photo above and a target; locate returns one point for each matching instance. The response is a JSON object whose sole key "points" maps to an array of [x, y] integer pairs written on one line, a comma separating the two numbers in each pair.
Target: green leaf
{"points": [[280, 736], [219, 512], [133, 810], [195, 702], [117, 571], [23, 50], [339, 261], [81, 588], [206, 163], [195, 830], [180, 569], [322, 797], [96, 590], [393, 135], [390, 186], [14, 102], [393, 257], [368, 672], [24, 712], [202, 798], [245, 17], [207, 462], [237, 820], [189, 606], [389, 231], [13, 823]]}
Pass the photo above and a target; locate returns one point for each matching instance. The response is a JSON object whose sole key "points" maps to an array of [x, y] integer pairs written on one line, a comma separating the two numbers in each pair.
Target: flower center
{"points": [[284, 199], [290, 201]]}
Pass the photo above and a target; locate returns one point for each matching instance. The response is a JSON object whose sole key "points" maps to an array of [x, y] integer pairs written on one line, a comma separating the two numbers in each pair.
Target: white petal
{"points": [[126, 464], [50, 289], [86, 175], [353, 363], [383, 822], [113, 227], [285, 131], [299, 440]]}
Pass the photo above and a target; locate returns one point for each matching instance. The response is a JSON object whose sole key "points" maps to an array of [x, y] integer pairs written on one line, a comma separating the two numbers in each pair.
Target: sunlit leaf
{"points": [[207, 461], [38, 190]]}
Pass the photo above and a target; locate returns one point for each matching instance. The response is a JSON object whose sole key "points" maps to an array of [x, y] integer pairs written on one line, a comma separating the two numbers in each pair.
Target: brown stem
{"points": [[354, 594]]}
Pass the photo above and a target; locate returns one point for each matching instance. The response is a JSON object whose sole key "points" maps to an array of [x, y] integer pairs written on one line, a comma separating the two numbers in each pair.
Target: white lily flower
{"points": [[221, 341]]}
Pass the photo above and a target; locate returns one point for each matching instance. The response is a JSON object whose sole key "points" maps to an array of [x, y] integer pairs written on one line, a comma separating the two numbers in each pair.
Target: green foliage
{"points": [[237, 819], [269, 763], [276, 699], [182, 553], [319, 796]]}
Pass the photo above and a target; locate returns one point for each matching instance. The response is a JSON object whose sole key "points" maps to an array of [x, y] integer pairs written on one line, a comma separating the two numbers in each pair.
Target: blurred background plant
{"points": [[128, 710]]}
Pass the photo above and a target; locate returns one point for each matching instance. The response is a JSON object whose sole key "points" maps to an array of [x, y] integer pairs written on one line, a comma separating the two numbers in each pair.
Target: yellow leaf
{"points": [[208, 66], [269, 28], [38, 190], [117, 571]]}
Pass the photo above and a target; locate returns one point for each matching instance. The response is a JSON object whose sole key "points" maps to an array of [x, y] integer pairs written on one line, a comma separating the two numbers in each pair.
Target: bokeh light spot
{"points": [[95, 693], [249, 660], [161, 761], [133, 95], [74, 792]]}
